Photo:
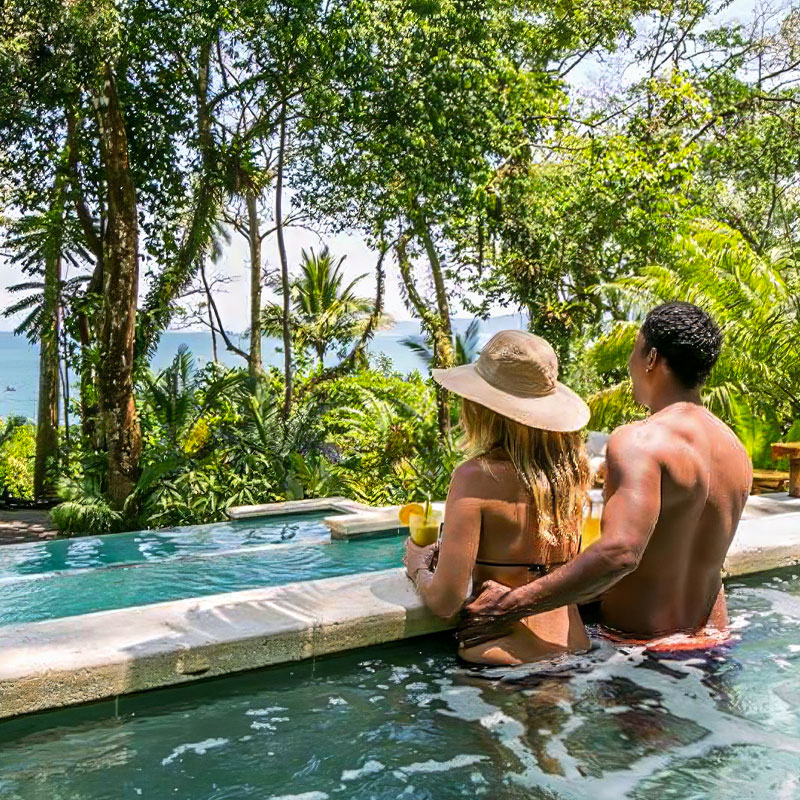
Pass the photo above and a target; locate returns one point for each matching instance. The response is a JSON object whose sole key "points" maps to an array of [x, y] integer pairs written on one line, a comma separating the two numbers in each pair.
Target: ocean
{"points": [[19, 360]]}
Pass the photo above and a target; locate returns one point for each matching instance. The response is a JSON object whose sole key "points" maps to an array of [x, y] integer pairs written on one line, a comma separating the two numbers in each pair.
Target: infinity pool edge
{"points": [[75, 660]]}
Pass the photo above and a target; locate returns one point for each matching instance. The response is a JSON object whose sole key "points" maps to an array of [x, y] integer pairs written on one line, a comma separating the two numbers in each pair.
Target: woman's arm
{"points": [[445, 590]]}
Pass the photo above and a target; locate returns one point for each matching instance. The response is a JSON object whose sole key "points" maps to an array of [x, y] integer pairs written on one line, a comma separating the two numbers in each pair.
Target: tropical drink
{"points": [[591, 523], [590, 533], [423, 523], [424, 529]]}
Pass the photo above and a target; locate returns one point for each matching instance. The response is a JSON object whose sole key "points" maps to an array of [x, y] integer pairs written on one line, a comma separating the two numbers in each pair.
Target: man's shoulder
{"points": [[637, 440], [633, 434]]}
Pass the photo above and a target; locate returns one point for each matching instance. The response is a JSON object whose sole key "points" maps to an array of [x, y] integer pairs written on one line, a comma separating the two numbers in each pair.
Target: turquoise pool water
{"points": [[408, 721], [98, 573]]}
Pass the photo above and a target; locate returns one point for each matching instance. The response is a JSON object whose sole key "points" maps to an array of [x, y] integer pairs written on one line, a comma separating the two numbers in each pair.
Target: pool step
{"points": [[367, 522], [342, 505]]}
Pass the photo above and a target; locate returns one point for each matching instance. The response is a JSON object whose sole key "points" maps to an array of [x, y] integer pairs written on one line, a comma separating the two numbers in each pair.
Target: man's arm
{"points": [[632, 507]]}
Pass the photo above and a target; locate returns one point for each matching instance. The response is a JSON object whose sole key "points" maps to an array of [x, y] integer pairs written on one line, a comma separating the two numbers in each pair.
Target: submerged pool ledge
{"points": [[45, 665], [341, 505]]}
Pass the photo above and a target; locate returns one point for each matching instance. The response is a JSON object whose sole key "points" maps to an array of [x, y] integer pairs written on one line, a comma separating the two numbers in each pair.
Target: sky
{"points": [[233, 300]]}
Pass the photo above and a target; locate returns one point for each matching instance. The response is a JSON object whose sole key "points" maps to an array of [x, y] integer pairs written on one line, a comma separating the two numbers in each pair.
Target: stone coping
{"points": [[340, 504], [365, 521], [362, 523], [770, 504], [63, 662], [764, 542], [79, 659]]}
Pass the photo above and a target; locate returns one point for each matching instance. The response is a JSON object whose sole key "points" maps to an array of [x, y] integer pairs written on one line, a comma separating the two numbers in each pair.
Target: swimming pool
{"points": [[408, 721], [67, 577]]}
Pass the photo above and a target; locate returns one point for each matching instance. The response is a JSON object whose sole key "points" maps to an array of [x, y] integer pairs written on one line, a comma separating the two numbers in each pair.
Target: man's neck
{"points": [[675, 394]]}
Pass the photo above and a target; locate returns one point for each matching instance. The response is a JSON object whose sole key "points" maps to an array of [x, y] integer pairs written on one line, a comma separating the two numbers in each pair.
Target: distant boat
{"points": [[10, 389]]}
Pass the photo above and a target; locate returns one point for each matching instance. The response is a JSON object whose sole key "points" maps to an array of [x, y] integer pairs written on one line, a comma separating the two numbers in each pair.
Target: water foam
{"points": [[200, 748], [685, 694], [370, 768]]}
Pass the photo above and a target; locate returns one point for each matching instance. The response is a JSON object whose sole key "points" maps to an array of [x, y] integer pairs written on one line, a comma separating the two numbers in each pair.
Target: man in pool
{"points": [[675, 487]]}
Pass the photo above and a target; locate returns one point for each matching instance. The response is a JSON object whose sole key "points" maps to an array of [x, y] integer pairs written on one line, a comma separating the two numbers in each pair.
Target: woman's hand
{"points": [[418, 558]]}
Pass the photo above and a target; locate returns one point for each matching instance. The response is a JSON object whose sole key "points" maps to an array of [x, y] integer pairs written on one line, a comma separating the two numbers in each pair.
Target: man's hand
{"points": [[489, 603], [487, 616], [418, 558]]}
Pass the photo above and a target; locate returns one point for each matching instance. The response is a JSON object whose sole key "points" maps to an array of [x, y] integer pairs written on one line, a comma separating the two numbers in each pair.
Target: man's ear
{"points": [[652, 358]]}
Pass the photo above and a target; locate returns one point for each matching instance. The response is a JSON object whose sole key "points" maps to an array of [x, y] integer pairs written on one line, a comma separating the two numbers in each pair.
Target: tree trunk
{"points": [[286, 289], [93, 238], [120, 289], [176, 275], [435, 322], [446, 352], [254, 364], [209, 304], [47, 412], [443, 335]]}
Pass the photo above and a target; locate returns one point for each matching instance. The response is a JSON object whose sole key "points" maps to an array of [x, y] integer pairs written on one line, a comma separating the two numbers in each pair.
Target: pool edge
{"points": [[74, 660], [48, 665]]}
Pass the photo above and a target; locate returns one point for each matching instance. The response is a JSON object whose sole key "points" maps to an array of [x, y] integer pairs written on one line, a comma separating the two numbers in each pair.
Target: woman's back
{"points": [[513, 511], [513, 549]]}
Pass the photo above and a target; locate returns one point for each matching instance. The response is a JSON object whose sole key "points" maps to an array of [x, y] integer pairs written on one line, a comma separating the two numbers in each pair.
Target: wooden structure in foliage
{"points": [[792, 451]]}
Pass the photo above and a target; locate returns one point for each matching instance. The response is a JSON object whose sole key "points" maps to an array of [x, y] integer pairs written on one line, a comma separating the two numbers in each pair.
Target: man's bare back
{"points": [[705, 478]]}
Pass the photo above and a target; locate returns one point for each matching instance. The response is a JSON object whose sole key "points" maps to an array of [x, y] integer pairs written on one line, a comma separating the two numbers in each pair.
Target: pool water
{"points": [[408, 721], [97, 573]]}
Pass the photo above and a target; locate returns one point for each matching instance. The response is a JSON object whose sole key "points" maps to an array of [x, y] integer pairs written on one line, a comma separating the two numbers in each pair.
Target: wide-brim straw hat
{"points": [[516, 375]]}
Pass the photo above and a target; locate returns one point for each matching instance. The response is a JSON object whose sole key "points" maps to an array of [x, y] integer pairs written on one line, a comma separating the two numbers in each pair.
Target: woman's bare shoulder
{"points": [[482, 475]]}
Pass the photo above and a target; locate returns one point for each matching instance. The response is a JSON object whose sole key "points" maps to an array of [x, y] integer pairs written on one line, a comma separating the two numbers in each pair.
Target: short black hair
{"points": [[687, 337]]}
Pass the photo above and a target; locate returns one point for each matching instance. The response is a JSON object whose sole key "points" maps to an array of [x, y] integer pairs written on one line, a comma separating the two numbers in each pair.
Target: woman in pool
{"points": [[514, 509]]}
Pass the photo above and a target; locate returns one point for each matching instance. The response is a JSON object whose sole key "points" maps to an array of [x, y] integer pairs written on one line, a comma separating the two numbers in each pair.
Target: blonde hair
{"points": [[553, 467]]}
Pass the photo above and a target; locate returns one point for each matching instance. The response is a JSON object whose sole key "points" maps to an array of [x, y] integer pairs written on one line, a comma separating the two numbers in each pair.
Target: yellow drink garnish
{"points": [[407, 510]]}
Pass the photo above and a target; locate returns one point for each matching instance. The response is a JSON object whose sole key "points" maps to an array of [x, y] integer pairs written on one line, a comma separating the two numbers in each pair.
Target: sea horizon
{"points": [[20, 359]]}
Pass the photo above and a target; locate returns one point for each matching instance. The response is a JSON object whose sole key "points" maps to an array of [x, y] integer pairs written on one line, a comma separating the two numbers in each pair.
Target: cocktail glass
{"points": [[424, 528]]}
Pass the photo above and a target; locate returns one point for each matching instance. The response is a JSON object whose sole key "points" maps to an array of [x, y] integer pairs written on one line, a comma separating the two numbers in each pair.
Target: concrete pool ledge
{"points": [[363, 522], [343, 505], [45, 665]]}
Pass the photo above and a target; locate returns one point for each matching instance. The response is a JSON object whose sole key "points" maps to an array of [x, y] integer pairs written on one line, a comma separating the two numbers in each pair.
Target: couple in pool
{"points": [[675, 486]]}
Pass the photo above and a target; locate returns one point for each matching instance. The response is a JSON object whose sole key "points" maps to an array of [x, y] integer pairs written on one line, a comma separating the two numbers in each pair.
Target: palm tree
{"points": [[465, 345], [324, 311], [39, 243], [172, 395], [754, 299]]}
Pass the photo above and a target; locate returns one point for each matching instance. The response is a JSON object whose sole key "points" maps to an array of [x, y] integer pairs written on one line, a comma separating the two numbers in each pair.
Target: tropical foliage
{"points": [[16, 459], [457, 140], [466, 347], [755, 301], [325, 312]]}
